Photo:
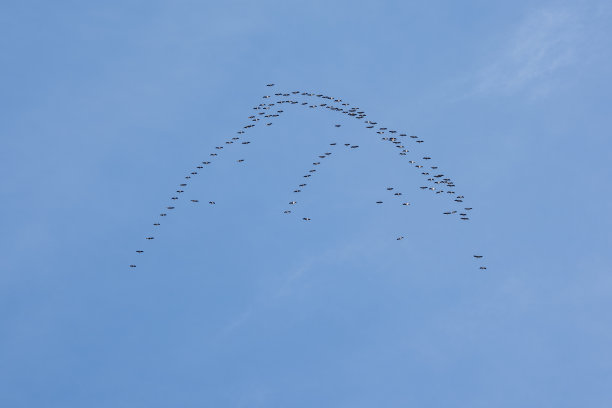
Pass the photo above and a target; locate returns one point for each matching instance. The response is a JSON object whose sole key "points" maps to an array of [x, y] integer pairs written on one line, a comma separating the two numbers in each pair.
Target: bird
{"points": [[483, 267], [132, 266], [162, 215], [478, 256], [269, 84], [265, 110], [139, 251], [150, 237]]}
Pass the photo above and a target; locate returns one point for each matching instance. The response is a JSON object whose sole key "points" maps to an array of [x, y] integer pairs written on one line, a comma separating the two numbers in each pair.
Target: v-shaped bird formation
{"points": [[434, 181]]}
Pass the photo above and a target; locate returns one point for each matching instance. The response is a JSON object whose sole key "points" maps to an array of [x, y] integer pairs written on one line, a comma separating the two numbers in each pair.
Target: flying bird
{"points": [[265, 110]]}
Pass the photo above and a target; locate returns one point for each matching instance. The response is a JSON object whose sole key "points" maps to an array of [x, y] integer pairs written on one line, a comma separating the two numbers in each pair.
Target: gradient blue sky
{"points": [[106, 106]]}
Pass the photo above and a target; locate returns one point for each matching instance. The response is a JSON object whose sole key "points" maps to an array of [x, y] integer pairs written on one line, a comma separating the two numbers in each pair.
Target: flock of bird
{"points": [[435, 181]]}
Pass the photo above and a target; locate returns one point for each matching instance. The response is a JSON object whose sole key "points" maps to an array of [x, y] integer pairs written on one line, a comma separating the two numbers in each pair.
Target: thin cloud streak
{"points": [[546, 41]]}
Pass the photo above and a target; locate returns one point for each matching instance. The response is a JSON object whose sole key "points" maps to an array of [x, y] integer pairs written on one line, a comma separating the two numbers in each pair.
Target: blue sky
{"points": [[108, 105]]}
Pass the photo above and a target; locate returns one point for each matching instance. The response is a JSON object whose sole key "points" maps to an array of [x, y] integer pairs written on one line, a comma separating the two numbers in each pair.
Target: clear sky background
{"points": [[106, 106]]}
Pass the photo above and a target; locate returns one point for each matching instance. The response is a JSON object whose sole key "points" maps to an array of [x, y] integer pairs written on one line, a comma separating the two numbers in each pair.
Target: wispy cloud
{"points": [[545, 41], [294, 280]]}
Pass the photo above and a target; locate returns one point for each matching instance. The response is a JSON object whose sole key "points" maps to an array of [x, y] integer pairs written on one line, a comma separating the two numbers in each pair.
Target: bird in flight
{"points": [[326, 102]]}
